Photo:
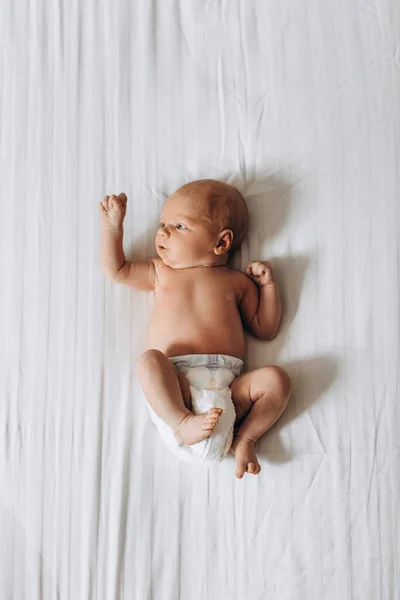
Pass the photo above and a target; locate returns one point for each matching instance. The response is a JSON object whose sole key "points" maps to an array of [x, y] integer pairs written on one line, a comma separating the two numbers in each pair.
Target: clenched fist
{"points": [[261, 272], [113, 211]]}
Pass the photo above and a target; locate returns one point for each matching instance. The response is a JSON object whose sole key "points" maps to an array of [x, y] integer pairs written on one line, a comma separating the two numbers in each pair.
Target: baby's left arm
{"points": [[260, 306]]}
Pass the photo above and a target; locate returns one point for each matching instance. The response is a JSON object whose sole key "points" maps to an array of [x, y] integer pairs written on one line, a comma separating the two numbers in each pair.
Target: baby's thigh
{"points": [[241, 395], [185, 389]]}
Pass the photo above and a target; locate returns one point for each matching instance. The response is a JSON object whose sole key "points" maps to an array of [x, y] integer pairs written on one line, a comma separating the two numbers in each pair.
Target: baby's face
{"points": [[185, 238]]}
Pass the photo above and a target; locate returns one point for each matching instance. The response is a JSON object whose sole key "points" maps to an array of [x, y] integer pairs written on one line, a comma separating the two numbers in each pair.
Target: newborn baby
{"points": [[190, 372]]}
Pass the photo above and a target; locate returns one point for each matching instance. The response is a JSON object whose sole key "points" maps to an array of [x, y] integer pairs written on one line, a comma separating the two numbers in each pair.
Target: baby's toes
{"points": [[240, 468], [212, 419], [253, 468], [213, 415], [208, 426], [209, 423], [215, 412]]}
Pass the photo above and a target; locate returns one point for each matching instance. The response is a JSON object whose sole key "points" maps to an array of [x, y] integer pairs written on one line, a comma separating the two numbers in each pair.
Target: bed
{"points": [[297, 104]]}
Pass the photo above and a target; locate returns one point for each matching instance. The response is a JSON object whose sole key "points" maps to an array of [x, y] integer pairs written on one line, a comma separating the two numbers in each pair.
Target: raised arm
{"points": [[140, 275], [260, 305]]}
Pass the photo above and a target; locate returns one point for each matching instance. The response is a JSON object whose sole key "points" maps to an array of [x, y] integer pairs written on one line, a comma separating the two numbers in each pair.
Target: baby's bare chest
{"points": [[197, 293], [197, 313]]}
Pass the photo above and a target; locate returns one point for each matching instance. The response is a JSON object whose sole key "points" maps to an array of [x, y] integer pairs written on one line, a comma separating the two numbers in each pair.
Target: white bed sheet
{"points": [[297, 103]]}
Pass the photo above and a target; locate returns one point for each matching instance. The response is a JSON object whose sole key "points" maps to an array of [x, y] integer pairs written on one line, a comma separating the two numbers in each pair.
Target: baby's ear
{"points": [[224, 243]]}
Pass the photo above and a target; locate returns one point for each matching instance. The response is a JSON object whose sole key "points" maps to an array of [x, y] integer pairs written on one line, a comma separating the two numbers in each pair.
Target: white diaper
{"points": [[209, 377]]}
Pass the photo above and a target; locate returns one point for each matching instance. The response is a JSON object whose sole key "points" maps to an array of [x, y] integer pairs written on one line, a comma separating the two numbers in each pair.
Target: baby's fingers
{"points": [[103, 206], [118, 204], [254, 267], [258, 268], [114, 203], [123, 198]]}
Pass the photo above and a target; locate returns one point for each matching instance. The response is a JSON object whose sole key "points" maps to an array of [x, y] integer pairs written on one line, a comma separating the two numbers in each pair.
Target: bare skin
{"points": [[201, 307]]}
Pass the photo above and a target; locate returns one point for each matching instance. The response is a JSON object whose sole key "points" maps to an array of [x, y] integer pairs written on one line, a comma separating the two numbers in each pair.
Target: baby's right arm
{"points": [[140, 275]]}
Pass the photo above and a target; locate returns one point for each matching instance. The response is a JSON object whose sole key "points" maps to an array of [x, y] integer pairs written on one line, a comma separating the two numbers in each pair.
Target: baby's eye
{"points": [[179, 225]]}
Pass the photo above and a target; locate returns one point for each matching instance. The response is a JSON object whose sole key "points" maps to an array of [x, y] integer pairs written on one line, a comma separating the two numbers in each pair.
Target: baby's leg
{"points": [[160, 380], [260, 397]]}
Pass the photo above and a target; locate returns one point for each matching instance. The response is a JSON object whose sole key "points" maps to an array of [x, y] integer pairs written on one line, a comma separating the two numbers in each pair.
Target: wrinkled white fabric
{"points": [[295, 102], [209, 376]]}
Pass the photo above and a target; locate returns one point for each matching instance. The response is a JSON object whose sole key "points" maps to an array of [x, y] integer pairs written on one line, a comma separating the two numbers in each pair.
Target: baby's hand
{"points": [[113, 211], [261, 273]]}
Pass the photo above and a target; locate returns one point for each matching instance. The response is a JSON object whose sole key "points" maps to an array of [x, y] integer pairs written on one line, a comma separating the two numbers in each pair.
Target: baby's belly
{"points": [[179, 334]]}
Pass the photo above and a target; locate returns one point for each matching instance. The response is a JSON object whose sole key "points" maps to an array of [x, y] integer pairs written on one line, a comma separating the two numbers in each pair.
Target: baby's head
{"points": [[201, 224]]}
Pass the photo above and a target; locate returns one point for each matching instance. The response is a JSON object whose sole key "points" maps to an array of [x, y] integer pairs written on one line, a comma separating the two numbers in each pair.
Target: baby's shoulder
{"points": [[236, 276], [239, 282]]}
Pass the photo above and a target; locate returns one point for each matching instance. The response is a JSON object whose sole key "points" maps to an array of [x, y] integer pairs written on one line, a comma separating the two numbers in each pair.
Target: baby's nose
{"points": [[163, 231]]}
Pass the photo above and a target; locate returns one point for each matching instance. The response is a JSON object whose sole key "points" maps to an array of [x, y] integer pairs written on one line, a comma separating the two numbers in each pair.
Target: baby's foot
{"points": [[195, 428], [246, 459]]}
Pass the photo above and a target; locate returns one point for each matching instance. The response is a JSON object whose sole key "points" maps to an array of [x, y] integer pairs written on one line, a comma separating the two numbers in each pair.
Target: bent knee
{"points": [[149, 359], [281, 381]]}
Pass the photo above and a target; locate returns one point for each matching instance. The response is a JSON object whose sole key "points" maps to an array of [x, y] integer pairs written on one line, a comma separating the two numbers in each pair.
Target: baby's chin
{"points": [[174, 263], [166, 258]]}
